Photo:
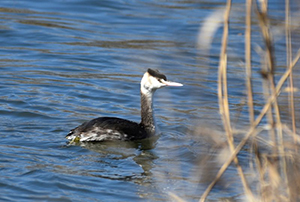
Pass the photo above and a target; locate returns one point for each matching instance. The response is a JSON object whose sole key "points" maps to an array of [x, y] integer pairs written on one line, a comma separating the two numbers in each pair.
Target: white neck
{"points": [[147, 116]]}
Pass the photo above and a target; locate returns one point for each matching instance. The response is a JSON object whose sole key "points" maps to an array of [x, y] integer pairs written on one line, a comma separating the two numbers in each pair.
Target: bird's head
{"points": [[153, 80]]}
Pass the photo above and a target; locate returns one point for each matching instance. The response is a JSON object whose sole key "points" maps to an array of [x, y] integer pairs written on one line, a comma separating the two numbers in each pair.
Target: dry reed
{"points": [[277, 165]]}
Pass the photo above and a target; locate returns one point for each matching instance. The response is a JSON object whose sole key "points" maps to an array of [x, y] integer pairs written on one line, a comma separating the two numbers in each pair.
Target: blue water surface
{"points": [[66, 62]]}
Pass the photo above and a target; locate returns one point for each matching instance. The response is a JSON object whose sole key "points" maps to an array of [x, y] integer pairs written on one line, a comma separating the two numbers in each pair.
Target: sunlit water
{"points": [[65, 62]]}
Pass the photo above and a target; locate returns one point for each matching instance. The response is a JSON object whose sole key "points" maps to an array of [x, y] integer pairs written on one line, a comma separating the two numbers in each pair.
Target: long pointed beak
{"points": [[170, 83]]}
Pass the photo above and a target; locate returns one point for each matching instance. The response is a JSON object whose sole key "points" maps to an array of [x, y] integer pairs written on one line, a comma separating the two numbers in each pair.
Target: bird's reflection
{"points": [[140, 151]]}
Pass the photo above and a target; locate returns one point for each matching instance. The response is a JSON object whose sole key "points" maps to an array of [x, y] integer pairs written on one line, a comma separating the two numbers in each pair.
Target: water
{"points": [[65, 62]]}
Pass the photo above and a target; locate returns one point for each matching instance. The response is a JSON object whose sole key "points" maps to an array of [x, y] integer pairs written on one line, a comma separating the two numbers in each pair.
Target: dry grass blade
{"points": [[210, 26], [269, 68], [248, 60], [174, 197], [263, 22], [288, 61], [252, 128], [223, 99], [274, 181]]}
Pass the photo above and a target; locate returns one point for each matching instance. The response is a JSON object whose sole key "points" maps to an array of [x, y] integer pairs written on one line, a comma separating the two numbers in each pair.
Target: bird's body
{"points": [[109, 128], [112, 128]]}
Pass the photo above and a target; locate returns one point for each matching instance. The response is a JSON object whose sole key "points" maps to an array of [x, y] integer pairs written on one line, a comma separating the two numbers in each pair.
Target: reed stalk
{"points": [[274, 183], [248, 60], [223, 98], [251, 131], [288, 61], [262, 16]]}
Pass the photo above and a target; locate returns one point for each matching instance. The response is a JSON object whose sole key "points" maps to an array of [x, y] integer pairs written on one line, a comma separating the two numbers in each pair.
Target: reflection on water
{"points": [[66, 62]]}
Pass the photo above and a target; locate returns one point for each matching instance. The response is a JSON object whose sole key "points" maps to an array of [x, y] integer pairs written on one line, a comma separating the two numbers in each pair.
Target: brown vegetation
{"points": [[274, 159]]}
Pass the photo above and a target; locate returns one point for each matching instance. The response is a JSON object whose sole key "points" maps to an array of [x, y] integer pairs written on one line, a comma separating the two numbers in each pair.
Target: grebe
{"points": [[111, 128]]}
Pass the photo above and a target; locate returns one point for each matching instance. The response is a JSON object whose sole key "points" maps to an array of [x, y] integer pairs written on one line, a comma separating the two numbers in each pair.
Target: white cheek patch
{"points": [[149, 84], [155, 83]]}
